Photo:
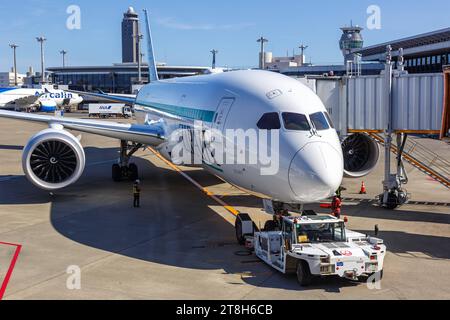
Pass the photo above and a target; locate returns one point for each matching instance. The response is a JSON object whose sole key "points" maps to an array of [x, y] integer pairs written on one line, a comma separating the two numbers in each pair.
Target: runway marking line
{"points": [[11, 266], [227, 207]]}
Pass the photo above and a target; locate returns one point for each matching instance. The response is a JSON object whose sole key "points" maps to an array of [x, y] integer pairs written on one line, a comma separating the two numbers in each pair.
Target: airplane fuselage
{"points": [[308, 164], [47, 102]]}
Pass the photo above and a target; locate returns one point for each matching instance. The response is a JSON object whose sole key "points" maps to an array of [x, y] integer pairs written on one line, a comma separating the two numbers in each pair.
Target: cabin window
{"points": [[319, 121], [296, 121], [269, 121]]}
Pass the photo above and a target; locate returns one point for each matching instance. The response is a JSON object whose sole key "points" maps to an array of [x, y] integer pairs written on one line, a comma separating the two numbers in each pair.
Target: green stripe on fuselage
{"points": [[185, 112]]}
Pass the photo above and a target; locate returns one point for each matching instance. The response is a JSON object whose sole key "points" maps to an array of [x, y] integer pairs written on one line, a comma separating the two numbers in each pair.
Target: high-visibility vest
{"points": [[136, 189], [336, 205]]}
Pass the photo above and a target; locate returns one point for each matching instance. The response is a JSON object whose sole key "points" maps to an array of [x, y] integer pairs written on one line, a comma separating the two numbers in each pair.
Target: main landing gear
{"points": [[124, 170]]}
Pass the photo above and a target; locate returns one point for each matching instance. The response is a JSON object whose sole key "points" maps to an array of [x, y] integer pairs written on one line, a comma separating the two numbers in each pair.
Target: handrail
{"points": [[440, 173]]}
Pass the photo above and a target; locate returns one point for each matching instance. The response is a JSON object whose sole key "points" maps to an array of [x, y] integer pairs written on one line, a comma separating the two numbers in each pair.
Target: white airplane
{"points": [[43, 100], [310, 162]]}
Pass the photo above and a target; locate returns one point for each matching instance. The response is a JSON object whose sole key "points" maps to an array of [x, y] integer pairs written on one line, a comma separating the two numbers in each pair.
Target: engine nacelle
{"points": [[53, 159], [48, 105], [361, 154]]}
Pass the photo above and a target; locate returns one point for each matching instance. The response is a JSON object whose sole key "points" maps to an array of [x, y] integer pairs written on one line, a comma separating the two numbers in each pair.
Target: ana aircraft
{"points": [[307, 157], [43, 100]]}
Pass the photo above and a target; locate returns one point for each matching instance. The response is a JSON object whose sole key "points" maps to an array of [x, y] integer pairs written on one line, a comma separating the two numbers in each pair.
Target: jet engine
{"points": [[48, 106], [53, 159], [361, 154]]}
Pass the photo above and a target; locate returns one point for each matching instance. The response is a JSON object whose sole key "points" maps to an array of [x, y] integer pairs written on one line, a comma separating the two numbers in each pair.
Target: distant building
{"points": [[423, 53], [278, 63], [7, 79], [130, 32], [117, 78]]}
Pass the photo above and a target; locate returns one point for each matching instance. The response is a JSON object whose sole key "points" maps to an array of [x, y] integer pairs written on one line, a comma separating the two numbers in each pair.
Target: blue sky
{"points": [[185, 31]]}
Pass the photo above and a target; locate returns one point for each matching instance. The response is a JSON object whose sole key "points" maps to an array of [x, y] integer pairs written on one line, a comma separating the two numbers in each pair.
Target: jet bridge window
{"points": [[296, 121], [269, 121], [319, 121]]}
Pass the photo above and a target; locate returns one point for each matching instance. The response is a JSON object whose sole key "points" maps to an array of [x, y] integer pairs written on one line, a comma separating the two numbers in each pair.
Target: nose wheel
{"points": [[124, 170]]}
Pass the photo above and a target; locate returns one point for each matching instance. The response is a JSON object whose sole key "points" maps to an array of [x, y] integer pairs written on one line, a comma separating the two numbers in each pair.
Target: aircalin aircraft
{"points": [[310, 159], [44, 100]]}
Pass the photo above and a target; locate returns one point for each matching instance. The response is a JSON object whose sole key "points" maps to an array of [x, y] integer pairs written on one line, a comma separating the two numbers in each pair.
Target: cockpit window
{"points": [[269, 121], [319, 121], [330, 122], [296, 121]]}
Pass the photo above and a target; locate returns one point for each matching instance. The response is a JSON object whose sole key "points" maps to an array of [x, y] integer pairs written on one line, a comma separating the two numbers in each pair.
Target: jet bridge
{"points": [[392, 105]]}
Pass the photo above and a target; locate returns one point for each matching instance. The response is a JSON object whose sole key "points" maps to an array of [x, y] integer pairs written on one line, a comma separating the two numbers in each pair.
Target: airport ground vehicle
{"points": [[313, 245], [108, 110]]}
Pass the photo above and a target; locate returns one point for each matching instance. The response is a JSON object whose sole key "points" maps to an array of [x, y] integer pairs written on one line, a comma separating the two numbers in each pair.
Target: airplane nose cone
{"points": [[316, 172]]}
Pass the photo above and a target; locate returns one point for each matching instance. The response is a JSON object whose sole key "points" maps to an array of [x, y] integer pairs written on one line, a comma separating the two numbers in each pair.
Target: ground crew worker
{"points": [[336, 205], [136, 193], [339, 192], [278, 218]]}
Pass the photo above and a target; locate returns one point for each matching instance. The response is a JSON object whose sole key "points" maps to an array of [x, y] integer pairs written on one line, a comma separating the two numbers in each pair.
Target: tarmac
{"points": [[181, 244]]}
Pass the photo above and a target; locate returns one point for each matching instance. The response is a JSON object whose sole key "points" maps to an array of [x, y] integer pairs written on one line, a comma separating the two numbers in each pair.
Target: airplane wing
{"points": [[26, 101], [124, 98], [152, 134], [21, 103]]}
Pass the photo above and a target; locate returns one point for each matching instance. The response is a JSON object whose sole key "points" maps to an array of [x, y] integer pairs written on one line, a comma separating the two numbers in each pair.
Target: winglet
{"points": [[153, 73]]}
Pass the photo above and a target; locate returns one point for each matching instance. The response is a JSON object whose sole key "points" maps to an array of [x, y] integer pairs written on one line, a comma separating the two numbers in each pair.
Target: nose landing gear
{"points": [[125, 170]]}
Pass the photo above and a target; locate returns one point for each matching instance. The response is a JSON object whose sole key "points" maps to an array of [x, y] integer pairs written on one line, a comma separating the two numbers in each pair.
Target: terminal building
{"points": [[424, 53], [117, 78]]}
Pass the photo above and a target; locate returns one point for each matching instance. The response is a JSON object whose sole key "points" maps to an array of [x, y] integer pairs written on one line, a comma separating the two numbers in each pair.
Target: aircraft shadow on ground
{"points": [[175, 225], [401, 242], [366, 209]]}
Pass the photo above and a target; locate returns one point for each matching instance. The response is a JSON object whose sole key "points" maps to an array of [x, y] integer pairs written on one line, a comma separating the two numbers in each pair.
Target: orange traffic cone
{"points": [[363, 189]]}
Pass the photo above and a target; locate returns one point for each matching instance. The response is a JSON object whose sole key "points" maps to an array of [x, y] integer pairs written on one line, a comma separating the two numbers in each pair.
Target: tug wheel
{"points": [[304, 276], [238, 228]]}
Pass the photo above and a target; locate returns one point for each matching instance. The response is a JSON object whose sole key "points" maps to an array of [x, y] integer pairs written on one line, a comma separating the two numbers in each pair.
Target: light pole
{"points": [[14, 47], [214, 53], [303, 48], [63, 52], [41, 40], [262, 41], [139, 37]]}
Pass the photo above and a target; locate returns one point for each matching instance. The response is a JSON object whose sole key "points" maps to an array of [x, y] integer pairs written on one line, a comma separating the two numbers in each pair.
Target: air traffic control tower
{"points": [[130, 31], [351, 40]]}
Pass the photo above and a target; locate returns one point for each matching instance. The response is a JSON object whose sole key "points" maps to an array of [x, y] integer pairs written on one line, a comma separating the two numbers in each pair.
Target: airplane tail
{"points": [[153, 73]]}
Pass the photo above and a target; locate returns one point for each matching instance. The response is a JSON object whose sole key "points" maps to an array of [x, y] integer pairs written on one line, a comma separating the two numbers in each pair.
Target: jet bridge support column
{"points": [[393, 194]]}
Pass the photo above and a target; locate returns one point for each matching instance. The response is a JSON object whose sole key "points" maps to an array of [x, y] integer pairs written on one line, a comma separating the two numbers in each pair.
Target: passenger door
{"points": [[222, 112], [212, 144]]}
